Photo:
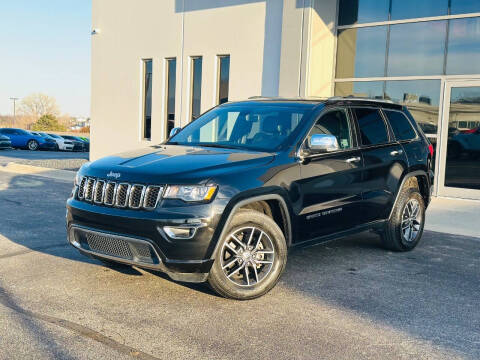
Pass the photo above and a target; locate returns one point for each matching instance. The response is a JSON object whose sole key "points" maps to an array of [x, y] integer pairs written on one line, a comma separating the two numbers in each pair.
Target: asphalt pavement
{"points": [[347, 299], [65, 160]]}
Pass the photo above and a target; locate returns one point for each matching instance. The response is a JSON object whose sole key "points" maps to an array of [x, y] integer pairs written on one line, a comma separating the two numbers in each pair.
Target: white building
{"points": [[159, 63]]}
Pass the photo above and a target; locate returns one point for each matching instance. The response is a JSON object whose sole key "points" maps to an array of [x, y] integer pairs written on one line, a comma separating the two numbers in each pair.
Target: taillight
{"points": [[430, 149]]}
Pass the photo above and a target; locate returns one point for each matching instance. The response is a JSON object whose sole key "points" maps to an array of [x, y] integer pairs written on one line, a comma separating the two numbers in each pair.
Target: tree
{"points": [[37, 105], [48, 123]]}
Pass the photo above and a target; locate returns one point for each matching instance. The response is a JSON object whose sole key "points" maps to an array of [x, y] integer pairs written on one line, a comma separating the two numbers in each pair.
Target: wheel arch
{"points": [[424, 186], [237, 203]]}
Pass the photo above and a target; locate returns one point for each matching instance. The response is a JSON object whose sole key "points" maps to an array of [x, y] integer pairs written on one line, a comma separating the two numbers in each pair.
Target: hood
{"points": [[175, 164]]}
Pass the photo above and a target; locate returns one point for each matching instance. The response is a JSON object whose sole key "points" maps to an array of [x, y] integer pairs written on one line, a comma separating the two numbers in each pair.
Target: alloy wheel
{"points": [[247, 256], [411, 220]]}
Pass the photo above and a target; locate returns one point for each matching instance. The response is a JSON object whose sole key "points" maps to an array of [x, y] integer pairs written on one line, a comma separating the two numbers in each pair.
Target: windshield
{"points": [[261, 127]]}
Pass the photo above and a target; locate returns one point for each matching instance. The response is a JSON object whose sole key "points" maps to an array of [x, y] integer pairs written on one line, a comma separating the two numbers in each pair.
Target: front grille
{"points": [[109, 246], [116, 246], [122, 195]]}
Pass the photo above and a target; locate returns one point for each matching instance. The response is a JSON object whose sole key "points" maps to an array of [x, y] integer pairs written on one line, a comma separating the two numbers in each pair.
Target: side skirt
{"points": [[374, 225]]}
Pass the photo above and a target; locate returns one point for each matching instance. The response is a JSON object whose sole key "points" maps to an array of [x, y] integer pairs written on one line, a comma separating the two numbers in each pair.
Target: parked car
{"points": [[223, 199], [78, 145], [62, 143], [86, 141], [465, 142], [26, 140], [5, 142]]}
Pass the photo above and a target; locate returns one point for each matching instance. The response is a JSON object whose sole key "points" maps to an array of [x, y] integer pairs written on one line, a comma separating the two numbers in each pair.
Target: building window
{"points": [[223, 78], [424, 56], [408, 9], [170, 94], [147, 98], [362, 11], [196, 92], [464, 47], [361, 52]]}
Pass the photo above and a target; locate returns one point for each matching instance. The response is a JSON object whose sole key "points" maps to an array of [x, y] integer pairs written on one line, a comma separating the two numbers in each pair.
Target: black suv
{"points": [[224, 198]]}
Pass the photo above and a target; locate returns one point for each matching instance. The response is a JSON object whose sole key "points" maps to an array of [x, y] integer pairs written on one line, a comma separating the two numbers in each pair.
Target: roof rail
{"points": [[356, 98]]}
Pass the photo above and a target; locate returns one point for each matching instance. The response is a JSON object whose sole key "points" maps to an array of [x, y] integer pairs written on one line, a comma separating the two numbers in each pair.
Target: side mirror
{"points": [[321, 143], [174, 131]]}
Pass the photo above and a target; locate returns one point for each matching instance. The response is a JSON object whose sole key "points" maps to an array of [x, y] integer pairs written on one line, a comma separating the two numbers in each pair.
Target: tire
{"points": [[264, 261], [402, 233], [32, 145]]}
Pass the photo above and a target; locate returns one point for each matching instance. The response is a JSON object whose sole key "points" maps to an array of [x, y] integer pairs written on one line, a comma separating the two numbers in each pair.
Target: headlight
{"points": [[190, 192]]}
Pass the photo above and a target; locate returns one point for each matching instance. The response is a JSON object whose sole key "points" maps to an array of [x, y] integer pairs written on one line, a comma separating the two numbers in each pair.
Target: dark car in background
{"points": [[24, 139], [78, 144], [223, 199], [5, 142]]}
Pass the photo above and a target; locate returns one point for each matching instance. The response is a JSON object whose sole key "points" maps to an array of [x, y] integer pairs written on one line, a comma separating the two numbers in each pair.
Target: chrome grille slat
{"points": [[121, 195], [99, 191], [110, 191], [121, 198], [89, 189], [152, 195], [81, 188], [136, 196]]}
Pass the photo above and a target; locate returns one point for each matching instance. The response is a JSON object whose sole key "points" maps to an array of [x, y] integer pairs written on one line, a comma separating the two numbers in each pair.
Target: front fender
{"points": [[260, 194]]}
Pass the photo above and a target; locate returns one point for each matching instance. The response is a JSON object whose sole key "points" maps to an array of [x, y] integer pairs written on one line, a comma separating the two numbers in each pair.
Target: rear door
{"points": [[384, 163], [330, 184]]}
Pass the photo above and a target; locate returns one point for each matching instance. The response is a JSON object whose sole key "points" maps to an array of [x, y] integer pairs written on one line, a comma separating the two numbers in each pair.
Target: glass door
{"points": [[459, 151]]}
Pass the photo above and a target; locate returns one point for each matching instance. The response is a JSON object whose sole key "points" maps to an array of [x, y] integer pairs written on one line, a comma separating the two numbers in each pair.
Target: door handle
{"points": [[396, 152], [353, 159]]}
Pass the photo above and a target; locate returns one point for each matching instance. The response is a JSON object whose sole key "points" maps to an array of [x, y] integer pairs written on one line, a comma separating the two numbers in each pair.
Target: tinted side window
{"points": [[400, 125], [335, 123], [372, 127]]}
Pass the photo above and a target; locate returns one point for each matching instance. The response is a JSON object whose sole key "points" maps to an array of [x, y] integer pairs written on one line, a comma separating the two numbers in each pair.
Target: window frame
{"points": [[218, 78], [391, 138], [302, 144], [192, 79], [144, 99], [167, 88]]}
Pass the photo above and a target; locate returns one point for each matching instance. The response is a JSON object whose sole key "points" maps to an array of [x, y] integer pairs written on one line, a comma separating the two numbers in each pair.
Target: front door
{"points": [[459, 152], [330, 185]]}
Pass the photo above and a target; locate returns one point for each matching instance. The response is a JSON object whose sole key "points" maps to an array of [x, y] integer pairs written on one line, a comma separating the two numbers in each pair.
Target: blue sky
{"points": [[45, 47]]}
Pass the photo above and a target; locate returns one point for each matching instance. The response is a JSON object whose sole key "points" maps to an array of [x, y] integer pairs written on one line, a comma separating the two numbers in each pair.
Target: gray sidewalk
{"points": [[454, 216]]}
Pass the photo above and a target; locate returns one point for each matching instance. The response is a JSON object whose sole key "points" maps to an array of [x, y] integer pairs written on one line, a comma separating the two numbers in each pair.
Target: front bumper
{"points": [[182, 259]]}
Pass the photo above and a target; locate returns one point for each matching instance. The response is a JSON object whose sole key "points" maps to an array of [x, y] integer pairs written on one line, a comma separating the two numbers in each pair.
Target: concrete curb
{"points": [[57, 174]]}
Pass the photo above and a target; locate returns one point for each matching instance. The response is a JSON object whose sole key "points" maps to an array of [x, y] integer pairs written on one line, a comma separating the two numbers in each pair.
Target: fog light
{"points": [[180, 232]]}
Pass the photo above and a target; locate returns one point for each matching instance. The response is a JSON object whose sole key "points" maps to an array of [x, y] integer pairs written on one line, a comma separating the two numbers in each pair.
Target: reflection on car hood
{"points": [[175, 163]]}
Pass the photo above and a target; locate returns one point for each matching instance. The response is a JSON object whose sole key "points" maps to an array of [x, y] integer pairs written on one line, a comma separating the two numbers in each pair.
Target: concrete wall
{"points": [[276, 47], [321, 48]]}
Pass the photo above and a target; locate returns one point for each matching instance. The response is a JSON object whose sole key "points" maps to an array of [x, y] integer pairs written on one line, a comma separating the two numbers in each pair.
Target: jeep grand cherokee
{"points": [[224, 198]]}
